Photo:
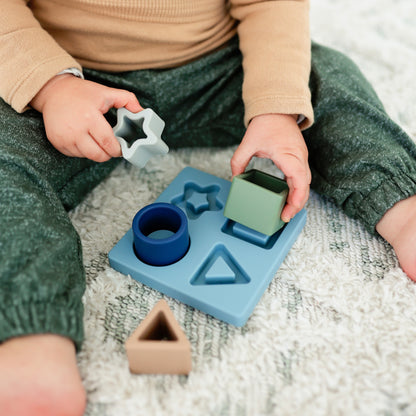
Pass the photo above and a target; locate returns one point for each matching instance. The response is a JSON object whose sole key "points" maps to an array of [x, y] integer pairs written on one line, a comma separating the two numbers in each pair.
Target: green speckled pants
{"points": [[358, 157]]}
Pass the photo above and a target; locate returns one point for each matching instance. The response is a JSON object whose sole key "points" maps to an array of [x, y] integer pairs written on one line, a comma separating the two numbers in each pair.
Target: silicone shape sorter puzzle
{"points": [[227, 267], [256, 200]]}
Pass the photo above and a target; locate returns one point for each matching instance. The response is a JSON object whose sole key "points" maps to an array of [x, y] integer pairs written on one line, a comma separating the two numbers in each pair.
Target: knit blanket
{"points": [[334, 333]]}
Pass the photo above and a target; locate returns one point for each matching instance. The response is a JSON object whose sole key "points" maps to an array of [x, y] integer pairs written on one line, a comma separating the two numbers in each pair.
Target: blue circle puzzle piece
{"points": [[151, 224]]}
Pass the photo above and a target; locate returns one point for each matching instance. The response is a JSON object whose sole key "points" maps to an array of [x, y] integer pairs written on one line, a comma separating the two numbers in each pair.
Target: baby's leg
{"points": [[39, 377], [398, 227], [359, 157], [41, 271]]}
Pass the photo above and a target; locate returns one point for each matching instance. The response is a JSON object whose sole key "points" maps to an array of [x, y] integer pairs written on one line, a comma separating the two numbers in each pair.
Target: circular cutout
{"points": [[160, 233]]}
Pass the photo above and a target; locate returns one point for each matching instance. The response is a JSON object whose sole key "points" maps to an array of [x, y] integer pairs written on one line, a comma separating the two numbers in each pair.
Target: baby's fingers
{"points": [[89, 148], [103, 135], [241, 158], [298, 195], [122, 98]]}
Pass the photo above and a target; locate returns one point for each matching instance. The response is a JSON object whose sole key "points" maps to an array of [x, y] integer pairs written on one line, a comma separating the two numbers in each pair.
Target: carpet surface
{"points": [[334, 333]]}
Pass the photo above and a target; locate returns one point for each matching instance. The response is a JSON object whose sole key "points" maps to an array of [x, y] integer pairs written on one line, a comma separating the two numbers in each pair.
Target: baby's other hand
{"points": [[73, 113], [278, 137]]}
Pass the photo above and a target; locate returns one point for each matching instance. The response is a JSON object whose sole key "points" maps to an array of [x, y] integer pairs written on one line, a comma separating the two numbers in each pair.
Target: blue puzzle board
{"points": [[227, 267]]}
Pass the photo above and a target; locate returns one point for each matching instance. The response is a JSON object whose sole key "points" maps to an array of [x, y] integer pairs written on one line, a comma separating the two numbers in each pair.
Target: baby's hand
{"points": [[73, 113], [278, 137]]}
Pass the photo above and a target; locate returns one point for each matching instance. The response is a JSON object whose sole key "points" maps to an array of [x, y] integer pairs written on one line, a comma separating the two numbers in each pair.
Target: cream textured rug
{"points": [[334, 334]]}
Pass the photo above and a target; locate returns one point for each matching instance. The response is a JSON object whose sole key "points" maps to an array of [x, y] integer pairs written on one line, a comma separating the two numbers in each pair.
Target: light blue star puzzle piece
{"points": [[138, 150]]}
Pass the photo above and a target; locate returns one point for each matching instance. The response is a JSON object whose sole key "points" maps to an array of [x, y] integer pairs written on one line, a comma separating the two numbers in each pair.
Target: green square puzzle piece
{"points": [[256, 200]]}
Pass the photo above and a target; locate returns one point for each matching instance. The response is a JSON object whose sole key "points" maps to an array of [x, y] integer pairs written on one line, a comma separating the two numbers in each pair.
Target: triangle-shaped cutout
{"points": [[220, 267], [159, 329], [158, 345], [220, 272]]}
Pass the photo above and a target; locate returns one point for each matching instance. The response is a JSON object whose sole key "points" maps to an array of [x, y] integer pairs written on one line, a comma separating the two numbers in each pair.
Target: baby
{"points": [[219, 73]]}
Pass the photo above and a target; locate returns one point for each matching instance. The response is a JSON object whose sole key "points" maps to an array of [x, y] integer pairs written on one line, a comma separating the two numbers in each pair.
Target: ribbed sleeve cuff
{"points": [[33, 81], [279, 105], [370, 208], [23, 74], [40, 318]]}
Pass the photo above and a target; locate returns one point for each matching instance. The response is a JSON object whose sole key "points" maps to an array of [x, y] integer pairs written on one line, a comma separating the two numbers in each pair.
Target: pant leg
{"points": [[358, 156], [202, 101], [41, 271]]}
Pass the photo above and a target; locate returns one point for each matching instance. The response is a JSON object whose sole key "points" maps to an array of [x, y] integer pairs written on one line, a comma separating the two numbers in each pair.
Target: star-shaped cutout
{"points": [[196, 200]]}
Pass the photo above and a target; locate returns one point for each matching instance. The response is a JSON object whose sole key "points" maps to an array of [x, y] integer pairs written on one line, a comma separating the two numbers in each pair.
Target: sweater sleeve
{"points": [[29, 56], [275, 43]]}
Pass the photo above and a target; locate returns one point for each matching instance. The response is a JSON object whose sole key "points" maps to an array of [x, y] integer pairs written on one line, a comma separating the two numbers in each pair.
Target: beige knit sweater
{"points": [[39, 38]]}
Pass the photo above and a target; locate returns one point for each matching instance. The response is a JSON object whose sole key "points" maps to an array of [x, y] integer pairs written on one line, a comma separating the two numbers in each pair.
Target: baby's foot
{"points": [[39, 376], [398, 227]]}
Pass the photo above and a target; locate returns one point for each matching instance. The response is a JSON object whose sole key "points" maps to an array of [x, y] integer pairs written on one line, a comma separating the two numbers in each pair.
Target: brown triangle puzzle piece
{"points": [[158, 345]]}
